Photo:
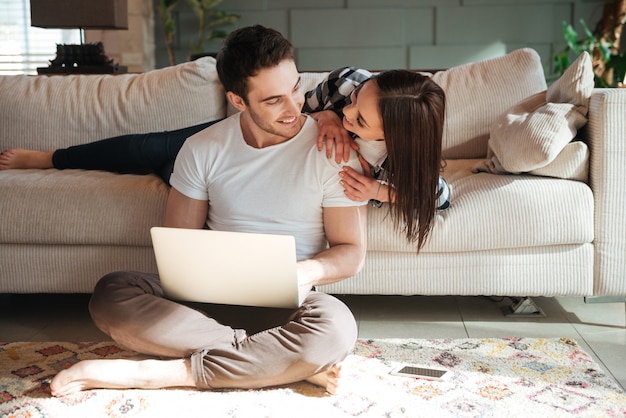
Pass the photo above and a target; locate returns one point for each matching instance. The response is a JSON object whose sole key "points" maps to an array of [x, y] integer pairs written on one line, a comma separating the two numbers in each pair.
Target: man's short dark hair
{"points": [[248, 50]]}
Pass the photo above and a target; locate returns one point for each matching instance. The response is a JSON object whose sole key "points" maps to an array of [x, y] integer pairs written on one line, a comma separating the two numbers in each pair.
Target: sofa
{"points": [[519, 224]]}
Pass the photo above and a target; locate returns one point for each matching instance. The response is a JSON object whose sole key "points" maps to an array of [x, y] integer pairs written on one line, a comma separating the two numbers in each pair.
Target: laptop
{"points": [[234, 268]]}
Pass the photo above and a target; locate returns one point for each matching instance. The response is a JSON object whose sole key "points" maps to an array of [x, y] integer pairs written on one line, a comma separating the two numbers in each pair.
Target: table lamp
{"points": [[86, 58]]}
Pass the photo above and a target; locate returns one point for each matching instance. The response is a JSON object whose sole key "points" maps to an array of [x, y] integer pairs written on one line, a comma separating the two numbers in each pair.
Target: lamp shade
{"points": [[86, 14]]}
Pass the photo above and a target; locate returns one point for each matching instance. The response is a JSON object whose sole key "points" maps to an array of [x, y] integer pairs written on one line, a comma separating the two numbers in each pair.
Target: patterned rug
{"points": [[492, 377]]}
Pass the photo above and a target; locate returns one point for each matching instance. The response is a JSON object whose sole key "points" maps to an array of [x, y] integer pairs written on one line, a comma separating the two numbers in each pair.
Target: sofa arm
{"points": [[606, 135]]}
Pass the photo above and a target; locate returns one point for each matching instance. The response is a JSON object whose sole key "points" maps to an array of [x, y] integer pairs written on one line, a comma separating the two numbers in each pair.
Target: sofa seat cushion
{"points": [[492, 211], [76, 207]]}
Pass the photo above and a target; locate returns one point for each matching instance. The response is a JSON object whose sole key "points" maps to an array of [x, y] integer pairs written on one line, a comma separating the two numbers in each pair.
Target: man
{"points": [[257, 171]]}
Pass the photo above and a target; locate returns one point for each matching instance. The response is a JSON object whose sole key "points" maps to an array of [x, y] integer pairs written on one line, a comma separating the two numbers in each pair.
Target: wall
{"points": [[374, 34], [134, 47], [417, 34]]}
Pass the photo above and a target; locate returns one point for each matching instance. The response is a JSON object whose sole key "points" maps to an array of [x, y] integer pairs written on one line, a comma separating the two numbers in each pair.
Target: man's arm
{"points": [[346, 233], [184, 212]]}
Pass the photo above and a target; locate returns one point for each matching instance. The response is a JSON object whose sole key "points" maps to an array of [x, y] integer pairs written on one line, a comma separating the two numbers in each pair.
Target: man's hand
{"points": [[307, 271], [332, 132]]}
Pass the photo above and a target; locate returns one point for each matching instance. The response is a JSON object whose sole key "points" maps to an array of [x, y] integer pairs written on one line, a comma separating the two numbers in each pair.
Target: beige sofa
{"points": [[557, 230]]}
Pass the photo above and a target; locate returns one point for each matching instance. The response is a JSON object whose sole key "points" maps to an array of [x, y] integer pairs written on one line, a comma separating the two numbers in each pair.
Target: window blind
{"points": [[24, 48]]}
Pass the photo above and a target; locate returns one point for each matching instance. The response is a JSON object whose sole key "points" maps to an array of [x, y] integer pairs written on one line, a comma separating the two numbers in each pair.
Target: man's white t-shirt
{"points": [[280, 189]]}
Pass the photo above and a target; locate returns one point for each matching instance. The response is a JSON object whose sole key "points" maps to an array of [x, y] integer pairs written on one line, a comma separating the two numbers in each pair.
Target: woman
{"points": [[395, 117]]}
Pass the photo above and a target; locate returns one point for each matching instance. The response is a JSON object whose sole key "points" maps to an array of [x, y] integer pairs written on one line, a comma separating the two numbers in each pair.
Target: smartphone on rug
{"points": [[421, 372]]}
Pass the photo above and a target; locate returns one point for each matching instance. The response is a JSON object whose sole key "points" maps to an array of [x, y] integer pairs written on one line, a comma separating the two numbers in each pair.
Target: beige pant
{"points": [[283, 345]]}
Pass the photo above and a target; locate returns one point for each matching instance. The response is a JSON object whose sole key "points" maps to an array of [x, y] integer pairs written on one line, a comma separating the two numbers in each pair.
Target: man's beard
{"points": [[285, 133]]}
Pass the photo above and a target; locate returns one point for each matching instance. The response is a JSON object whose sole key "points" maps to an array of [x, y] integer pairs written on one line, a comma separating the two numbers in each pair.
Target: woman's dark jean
{"points": [[155, 151]]}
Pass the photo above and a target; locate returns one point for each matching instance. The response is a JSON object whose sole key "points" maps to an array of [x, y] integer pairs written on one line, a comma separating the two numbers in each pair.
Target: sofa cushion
{"points": [[532, 133], [495, 212], [478, 93], [76, 207], [572, 163], [58, 111]]}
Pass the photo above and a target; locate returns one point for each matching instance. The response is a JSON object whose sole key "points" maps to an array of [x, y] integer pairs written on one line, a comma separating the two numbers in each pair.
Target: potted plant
{"points": [[210, 20], [166, 13], [603, 44]]}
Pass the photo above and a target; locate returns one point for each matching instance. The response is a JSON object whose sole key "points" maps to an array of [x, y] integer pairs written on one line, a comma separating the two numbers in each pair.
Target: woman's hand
{"points": [[331, 131], [362, 187]]}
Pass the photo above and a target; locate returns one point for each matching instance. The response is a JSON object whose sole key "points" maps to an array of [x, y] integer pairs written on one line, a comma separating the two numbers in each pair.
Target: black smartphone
{"points": [[421, 372]]}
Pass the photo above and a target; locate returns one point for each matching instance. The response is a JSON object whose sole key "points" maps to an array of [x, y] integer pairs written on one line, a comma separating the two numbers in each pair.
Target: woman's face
{"points": [[362, 116]]}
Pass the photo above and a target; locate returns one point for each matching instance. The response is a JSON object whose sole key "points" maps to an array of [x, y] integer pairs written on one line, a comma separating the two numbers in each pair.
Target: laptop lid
{"points": [[234, 268]]}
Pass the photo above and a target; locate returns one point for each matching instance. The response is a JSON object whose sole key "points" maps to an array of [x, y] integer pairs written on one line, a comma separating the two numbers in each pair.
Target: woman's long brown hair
{"points": [[412, 107]]}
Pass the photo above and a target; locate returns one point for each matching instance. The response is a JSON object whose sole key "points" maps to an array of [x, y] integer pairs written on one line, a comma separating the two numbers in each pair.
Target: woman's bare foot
{"points": [[25, 158], [328, 379], [122, 374]]}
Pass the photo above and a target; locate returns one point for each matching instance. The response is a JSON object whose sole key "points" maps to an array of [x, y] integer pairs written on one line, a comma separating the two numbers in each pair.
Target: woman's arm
{"points": [[361, 187], [331, 133], [333, 93], [325, 104]]}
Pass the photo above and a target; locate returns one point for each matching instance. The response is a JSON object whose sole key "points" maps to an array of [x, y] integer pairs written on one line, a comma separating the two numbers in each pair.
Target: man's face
{"points": [[275, 101]]}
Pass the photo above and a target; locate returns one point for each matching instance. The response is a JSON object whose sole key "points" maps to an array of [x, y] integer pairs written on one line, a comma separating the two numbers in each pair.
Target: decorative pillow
{"points": [[531, 134], [572, 163], [59, 111], [477, 93]]}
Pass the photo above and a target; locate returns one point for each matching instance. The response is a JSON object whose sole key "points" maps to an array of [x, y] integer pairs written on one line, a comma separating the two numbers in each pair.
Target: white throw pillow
{"points": [[572, 163], [531, 134]]}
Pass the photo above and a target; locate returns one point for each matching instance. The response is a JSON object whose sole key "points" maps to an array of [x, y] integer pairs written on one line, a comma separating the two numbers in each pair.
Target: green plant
{"points": [[608, 67], [603, 44], [209, 19], [166, 13], [617, 65]]}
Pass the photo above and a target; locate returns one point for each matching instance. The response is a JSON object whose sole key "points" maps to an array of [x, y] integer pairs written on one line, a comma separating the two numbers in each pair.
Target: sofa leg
{"points": [[522, 307], [605, 299]]}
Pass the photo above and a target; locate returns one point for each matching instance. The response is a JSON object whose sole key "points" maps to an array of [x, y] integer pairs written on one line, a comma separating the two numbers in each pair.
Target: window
{"points": [[23, 48]]}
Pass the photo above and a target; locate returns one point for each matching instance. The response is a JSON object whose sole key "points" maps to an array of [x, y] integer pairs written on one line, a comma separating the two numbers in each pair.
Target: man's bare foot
{"points": [[25, 158], [328, 379], [122, 374]]}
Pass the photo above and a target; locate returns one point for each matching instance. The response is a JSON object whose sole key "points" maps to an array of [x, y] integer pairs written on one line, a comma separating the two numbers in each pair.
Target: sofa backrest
{"points": [[45, 113], [59, 111], [476, 95]]}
